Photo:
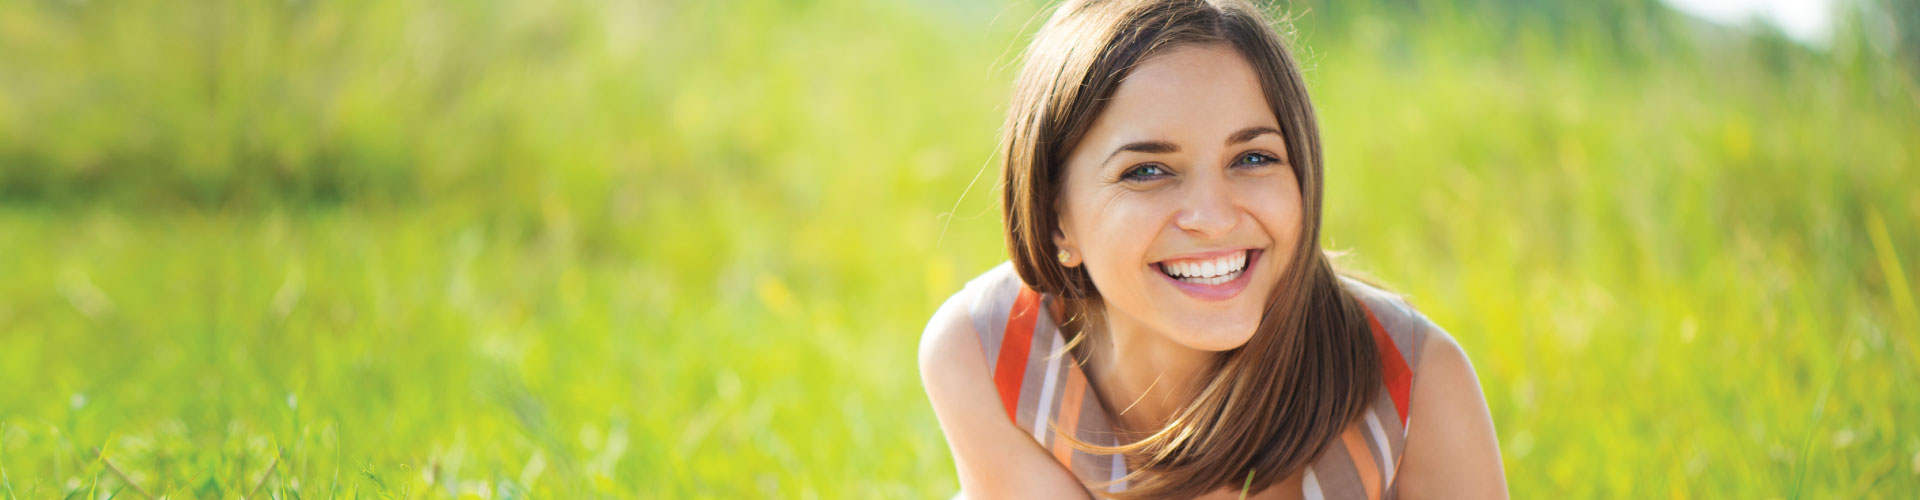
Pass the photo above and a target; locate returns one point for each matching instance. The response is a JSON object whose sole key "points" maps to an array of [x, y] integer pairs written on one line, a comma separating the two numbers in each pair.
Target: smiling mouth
{"points": [[1213, 271]]}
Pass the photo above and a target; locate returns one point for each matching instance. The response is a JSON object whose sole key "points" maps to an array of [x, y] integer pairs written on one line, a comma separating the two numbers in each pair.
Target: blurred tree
{"points": [[1904, 19]]}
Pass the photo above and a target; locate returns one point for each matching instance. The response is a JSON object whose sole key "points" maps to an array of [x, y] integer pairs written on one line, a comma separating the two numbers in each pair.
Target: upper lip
{"points": [[1210, 254]]}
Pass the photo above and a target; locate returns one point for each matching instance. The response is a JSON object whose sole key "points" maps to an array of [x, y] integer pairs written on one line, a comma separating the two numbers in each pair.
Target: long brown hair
{"points": [[1271, 406]]}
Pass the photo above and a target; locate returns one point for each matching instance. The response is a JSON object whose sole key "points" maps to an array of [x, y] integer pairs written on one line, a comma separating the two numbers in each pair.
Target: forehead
{"points": [[1186, 93]]}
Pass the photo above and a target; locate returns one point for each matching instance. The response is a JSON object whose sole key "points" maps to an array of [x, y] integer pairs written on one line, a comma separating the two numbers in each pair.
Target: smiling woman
{"points": [[1167, 326]]}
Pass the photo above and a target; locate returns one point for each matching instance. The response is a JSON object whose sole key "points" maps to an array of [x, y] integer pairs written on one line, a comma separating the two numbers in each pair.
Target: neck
{"points": [[1142, 375]]}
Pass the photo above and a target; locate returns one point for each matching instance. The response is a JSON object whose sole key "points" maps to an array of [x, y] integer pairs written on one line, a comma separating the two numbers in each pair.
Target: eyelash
{"points": [[1265, 159], [1132, 174]]}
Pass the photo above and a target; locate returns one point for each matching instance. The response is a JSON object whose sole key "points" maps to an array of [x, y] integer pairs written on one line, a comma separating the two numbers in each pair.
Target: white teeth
{"points": [[1209, 272]]}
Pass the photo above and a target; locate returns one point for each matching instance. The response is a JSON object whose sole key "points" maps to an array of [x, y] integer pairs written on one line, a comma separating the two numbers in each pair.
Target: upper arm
{"points": [[1452, 451], [994, 458]]}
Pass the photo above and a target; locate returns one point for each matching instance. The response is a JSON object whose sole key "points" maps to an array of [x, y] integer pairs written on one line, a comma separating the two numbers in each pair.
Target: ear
{"points": [[1065, 245]]}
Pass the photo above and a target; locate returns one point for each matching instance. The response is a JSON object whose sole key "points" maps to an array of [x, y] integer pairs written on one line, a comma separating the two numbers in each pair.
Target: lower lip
{"points": [[1214, 293]]}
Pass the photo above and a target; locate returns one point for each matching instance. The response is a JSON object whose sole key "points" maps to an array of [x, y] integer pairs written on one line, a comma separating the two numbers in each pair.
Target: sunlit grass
{"points": [[564, 250]]}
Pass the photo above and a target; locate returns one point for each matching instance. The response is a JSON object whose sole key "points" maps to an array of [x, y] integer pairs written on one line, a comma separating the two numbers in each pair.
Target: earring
{"points": [[1065, 256]]}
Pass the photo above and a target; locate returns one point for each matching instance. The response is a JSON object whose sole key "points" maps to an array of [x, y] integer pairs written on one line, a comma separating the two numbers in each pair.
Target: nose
{"points": [[1208, 209]]}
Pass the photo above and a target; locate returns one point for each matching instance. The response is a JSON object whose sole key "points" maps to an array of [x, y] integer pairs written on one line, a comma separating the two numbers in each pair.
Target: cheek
{"points": [[1279, 211], [1288, 221], [1116, 239]]}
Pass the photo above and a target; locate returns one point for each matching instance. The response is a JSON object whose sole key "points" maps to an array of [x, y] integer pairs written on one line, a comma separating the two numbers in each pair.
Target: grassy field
{"points": [[370, 249]]}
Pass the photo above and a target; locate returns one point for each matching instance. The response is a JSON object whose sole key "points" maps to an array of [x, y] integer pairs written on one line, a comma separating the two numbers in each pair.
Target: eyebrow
{"points": [[1163, 147], [1249, 133], [1149, 147]]}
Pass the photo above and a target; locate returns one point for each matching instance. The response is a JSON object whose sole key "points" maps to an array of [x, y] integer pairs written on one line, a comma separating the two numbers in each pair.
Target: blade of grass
{"points": [[4, 480], [263, 477], [123, 476], [1896, 276], [1819, 411]]}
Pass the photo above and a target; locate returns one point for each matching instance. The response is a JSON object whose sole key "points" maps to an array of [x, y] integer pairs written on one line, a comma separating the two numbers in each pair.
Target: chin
{"points": [[1221, 337]]}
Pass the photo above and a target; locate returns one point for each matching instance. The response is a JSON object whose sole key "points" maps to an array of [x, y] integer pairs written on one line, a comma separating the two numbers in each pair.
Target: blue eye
{"points": [[1255, 159], [1144, 172]]}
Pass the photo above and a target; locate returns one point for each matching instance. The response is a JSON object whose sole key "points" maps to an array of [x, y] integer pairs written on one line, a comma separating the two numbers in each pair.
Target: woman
{"points": [[1167, 326]]}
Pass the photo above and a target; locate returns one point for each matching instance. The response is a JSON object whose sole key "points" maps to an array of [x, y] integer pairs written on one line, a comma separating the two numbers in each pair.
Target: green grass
{"points": [[567, 250]]}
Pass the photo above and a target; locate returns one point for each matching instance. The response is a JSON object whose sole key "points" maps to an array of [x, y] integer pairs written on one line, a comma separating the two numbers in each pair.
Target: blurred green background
{"points": [[578, 249]]}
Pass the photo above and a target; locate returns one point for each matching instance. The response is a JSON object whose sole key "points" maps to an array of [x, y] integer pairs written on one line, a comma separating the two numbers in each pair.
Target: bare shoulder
{"points": [[952, 355], [948, 337], [993, 457], [1452, 448]]}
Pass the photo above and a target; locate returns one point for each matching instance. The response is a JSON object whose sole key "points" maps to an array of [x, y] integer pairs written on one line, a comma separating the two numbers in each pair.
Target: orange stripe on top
{"points": [[1393, 368], [1362, 459], [1069, 426], [1011, 367]]}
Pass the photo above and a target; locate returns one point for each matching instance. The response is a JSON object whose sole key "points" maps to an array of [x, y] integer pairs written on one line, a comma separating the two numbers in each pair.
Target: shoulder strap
{"points": [[1394, 371], [992, 296], [1010, 367], [1006, 313], [1058, 400]]}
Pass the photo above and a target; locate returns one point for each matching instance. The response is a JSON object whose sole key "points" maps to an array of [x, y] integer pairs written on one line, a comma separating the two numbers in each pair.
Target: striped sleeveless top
{"points": [[1045, 392]]}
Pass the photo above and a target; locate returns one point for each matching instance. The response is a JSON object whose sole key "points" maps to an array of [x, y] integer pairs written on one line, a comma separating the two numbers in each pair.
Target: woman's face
{"points": [[1181, 201]]}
